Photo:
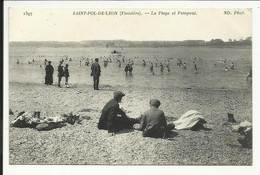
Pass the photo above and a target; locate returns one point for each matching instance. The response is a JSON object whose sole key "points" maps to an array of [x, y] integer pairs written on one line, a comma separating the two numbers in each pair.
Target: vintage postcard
{"points": [[129, 85]]}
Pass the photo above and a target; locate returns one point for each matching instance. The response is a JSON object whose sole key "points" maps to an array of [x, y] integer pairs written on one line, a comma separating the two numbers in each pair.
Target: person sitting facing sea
{"points": [[113, 118], [153, 122]]}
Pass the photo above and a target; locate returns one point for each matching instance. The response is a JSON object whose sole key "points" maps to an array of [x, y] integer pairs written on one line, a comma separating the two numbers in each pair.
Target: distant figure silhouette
{"points": [[195, 66], [161, 65], [60, 73], [249, 74], [130, 68], [126, 68], [184, 65], [66, 74], [151, 67], [168, 68], [96, 72], [232, 66], [105, 63], [144, 63]]}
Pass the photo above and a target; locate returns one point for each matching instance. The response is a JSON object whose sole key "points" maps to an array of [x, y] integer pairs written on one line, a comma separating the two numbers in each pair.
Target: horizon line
{"points": [[131, 40]]}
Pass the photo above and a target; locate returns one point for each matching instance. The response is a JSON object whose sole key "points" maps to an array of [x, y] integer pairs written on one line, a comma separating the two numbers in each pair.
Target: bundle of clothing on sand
{"points": [[34, 120]]}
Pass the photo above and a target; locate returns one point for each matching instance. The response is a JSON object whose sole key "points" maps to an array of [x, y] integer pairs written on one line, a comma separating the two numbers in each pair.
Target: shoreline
{"points": [[104, 86]]}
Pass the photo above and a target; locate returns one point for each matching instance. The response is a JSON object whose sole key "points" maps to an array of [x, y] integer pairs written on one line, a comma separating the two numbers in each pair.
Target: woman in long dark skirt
{"points": [[49, 74]]}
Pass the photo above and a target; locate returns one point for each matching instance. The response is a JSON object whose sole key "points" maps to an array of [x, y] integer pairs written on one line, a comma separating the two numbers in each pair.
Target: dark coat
{"points": [[60, 71], [49, 69], [153, 123], [49, 72], [95, 70], [109, 116]]}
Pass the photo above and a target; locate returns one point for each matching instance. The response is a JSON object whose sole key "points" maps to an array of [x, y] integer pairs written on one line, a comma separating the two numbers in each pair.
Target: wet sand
{"points": [[85, 144]]}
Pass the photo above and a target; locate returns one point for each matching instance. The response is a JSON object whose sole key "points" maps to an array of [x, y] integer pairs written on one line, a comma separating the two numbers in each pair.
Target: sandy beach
{"points": [[85, 144]]}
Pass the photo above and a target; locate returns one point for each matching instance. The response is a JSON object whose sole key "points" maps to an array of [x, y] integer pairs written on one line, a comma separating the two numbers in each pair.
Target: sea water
{"points": [[211, 73]]}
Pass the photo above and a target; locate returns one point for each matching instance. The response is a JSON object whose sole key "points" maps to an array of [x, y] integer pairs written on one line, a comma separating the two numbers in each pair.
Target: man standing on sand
{"points": [[95, 72], [113, 118], [49, 74], [153, 122], [60, 73]]}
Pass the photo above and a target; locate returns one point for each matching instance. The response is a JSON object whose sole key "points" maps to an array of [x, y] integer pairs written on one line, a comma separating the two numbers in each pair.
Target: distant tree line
{"points": [[230, 42], [125, 43]]}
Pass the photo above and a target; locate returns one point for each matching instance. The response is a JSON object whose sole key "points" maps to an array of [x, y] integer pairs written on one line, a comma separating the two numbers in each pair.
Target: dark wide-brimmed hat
{"points": [[155, 102], [118, 94], [96, 59], [49, 61]]}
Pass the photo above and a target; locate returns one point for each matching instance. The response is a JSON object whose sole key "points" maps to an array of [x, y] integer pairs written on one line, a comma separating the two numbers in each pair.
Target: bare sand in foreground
{"points": [[85, 144]]}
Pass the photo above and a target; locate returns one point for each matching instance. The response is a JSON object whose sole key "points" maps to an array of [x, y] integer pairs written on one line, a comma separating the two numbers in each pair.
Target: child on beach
{"points": [[66, 74], [60, 73]]}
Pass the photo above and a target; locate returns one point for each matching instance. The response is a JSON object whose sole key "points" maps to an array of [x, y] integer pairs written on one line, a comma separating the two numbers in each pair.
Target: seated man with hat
{"points": [[113, 118], [153, 122]]}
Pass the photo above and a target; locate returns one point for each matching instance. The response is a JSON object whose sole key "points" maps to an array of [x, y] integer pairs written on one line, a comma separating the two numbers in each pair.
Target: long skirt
{"points": [[49, 79]]}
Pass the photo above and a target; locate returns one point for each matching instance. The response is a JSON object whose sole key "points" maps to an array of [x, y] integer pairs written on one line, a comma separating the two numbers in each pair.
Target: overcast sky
{"points": [[53, 24]]}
